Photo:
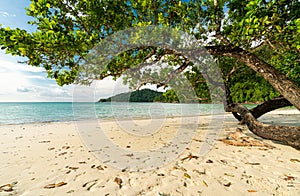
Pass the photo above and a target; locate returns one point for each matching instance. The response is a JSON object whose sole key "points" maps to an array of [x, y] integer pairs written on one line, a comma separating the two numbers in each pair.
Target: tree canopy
{"points": [[255, 43], [66, 30]]}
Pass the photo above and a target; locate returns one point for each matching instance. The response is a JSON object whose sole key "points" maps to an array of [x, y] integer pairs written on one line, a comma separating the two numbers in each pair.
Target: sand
{"points": [[58, 159]]}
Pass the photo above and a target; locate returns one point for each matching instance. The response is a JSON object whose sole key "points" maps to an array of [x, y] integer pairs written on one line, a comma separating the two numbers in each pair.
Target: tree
{"points": [[262, 35]]}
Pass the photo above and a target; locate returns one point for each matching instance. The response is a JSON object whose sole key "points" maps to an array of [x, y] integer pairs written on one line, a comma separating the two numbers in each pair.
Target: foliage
{"points": [[169, 96], [144, 95], [67, 31], [274, 22]]}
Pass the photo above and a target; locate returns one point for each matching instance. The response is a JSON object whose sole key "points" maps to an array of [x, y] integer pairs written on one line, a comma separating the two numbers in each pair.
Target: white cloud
{"points": [[55, 92], [6, 14], [98, 89], [26, 89], [24, 83], [20, 82], [7, 66], [36, 77]]}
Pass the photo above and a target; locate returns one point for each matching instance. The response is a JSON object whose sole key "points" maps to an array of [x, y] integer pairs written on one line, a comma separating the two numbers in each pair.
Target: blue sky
{"points": [[24, 83]]}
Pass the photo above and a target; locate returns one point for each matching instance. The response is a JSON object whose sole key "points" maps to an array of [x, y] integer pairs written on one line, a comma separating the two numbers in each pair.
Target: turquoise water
{"points": [[19, 113]]}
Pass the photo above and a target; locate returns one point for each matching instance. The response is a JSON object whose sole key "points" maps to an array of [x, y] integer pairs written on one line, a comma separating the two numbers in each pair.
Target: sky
{"points": [[24, 83]]}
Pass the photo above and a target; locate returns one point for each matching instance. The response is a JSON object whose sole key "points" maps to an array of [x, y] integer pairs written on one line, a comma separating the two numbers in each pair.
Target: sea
{"points": [[35, 112]]}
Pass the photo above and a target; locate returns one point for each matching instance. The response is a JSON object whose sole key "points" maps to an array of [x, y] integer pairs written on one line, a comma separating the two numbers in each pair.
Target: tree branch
{"points": [[278, 80], [270, 105], [289, 135]]}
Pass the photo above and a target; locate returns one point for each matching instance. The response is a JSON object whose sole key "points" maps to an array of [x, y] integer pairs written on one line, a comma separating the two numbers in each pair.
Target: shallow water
{"points": [[33, 112]]}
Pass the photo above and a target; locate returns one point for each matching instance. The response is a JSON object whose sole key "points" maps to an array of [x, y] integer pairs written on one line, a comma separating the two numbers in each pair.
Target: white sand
{"points": [[36, 155]]}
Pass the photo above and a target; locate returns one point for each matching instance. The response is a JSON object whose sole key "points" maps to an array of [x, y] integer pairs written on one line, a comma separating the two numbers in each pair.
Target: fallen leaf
{"points": [[189, 157], [60, 184], [90, 182], [180, 168], [223, 161], [184, 184], [118, 181], [205, 183], [200, 172], [209, 161], [100, 167], [6, 188], [295, 160], [227, 174], [253, 163], [50, 186], [89, 188], [73, 168], [129, 155], [289, 178], [197, 140], [251, 191], [44, 141], [187, 175], [63, 153], [70, 191], [227, 184]]}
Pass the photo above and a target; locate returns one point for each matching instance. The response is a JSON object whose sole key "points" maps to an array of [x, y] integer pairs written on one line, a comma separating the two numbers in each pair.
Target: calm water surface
{"points": [[18, 113]]}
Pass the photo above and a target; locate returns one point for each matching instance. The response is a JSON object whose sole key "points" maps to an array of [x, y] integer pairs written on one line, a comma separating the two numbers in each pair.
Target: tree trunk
{"points": [[259, 110], [268, 106], [265, 107], [228, 95], [279, 81], [289, 135]]}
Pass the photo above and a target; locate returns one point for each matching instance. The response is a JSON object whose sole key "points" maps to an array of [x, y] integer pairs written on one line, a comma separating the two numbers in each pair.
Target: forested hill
{"points": [[144, 95]]}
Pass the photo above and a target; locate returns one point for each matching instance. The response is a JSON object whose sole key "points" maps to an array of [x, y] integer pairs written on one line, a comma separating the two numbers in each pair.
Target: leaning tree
{"points": [[262, 35]]}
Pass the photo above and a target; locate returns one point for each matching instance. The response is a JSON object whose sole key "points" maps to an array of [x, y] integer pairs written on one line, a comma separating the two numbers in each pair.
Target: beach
{"points": [[55, 159]]}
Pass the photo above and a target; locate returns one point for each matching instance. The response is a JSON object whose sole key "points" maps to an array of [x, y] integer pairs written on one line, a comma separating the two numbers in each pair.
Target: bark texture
{"points": [[289, 135], [269, 106], [279, 81], [291, 92], [265, 107]]}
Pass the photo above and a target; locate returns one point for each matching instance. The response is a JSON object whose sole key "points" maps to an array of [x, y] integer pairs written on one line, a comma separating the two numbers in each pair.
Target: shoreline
{"points": [[112, 119], [281, 111], [53, 159]]}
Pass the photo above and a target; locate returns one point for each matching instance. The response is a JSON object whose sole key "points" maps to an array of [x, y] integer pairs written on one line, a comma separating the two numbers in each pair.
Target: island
{"points": [[144, 95]]}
